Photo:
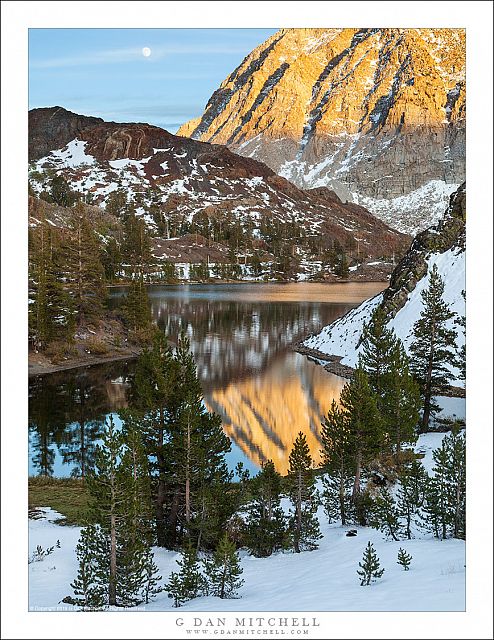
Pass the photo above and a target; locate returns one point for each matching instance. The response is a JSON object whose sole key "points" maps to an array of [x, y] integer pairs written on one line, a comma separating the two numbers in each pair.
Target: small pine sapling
{"points": [[152, 586], [223, 570], [91, 584], [40, 554], [404, 559], [370, 568], [188, 583], [385, 515]]}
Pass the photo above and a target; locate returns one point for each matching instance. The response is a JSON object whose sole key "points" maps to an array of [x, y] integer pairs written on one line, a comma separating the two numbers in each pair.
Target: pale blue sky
{"points": [[102, 72]]}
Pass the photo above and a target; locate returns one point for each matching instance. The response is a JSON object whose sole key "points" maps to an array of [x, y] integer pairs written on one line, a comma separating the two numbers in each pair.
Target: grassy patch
{"points": [[68, 496]]}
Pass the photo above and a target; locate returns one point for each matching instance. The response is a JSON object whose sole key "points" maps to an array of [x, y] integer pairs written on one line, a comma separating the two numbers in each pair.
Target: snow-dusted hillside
{"points": [[414, 211], [321, 580], [173, 182], [442, 245], [341, 338]]}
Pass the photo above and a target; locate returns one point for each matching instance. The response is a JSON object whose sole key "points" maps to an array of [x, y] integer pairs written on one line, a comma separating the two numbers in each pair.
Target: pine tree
{"points": [[342, 268], [336, 456], [386, 364], [411, 494], [153, 387], [377, 344], [303, 524], [61, 192], [105, 488], [337, 499], [111, 260], [364, 425], [188, 583], [370, 569], [197, 445], [84, 272], [188, 443], [223, 570], [91, 584], [445, 494], [404, 559], [136, 307], [134, 472], [462, 351], [433, 345], [266, 522], [51, 316], [116, 202], [256, 265], [400, 400], [136, 247], [138, 577], [385, 515], [152, 580], [119, 489]]}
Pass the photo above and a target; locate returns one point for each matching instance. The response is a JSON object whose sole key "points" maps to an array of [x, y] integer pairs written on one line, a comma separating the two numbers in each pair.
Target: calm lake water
{"points": [[241, 336]]}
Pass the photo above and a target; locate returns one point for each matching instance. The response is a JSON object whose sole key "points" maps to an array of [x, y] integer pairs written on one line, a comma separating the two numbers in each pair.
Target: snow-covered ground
{"points": [[321, 580], [341, 337]]}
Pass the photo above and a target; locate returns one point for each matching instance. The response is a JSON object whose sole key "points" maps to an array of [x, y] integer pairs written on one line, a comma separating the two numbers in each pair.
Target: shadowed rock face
{"points": [[52, 128], [448, 233], [376, 112], [192, 178]]}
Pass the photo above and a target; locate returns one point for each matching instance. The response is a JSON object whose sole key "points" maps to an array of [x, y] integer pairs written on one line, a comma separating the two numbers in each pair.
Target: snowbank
{"points": [[321, 580], [341, 337]]}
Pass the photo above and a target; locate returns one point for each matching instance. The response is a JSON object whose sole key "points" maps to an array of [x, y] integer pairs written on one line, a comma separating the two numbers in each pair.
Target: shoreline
{"points": [[332, 364], [40, 369], [44, 367], [242, 282]]}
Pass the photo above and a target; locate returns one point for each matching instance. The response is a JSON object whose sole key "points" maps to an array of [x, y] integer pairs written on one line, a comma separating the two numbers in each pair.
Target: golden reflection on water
{"points": [[263, 414], [241, 337]]}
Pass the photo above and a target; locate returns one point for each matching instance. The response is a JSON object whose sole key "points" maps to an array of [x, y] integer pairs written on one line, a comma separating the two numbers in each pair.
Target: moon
{"points": [[146, 52]]}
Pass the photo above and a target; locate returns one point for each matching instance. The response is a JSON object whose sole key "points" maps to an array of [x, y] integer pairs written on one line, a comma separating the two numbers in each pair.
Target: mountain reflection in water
{"points": [[241, 337]]}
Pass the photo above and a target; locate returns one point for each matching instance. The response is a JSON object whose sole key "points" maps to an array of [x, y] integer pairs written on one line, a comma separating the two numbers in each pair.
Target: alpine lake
{"points": [[242, 337]]}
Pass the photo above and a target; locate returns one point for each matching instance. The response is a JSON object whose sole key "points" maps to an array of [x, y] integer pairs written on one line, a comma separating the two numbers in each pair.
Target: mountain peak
{"points": [[380, 111]]}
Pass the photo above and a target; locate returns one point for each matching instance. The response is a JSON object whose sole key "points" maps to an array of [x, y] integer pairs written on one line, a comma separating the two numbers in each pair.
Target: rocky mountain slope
{"points": [[176, 181], [442, 245], [378, 115]]}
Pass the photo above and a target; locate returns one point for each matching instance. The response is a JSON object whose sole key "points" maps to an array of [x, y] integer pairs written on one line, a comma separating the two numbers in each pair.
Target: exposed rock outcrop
{"points": [[52, 128], [378, 113]]}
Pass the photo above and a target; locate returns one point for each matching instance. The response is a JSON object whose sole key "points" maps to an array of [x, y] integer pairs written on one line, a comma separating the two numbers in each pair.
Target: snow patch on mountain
{"points": [[72, 155], [341, 338], [410, 213], [414, 211]]}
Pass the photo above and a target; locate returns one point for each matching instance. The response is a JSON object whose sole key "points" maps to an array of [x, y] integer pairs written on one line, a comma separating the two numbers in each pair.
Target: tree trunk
{"points": [[112, 590], [223, 581], [358, 471], [161, 490], [427, 412], [174, 518], [203, 512], [160, 511], [187, 476], [298, 515], [428, 388], [457, 511], [342, 497]]}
